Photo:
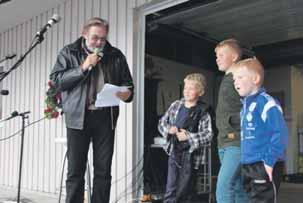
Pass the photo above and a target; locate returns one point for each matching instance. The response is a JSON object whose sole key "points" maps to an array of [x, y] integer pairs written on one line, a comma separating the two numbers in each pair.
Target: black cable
{"points": [[123, 194], [61, 179], [130, 172], [16, 133]]}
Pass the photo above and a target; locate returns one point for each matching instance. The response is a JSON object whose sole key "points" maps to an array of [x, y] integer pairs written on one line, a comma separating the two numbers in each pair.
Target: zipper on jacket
{"points": [[112, 119]]}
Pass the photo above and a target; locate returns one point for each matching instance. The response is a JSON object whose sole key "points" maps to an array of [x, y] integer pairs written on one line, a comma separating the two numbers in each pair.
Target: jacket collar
{"points": [[199, 103], [250, 98]]}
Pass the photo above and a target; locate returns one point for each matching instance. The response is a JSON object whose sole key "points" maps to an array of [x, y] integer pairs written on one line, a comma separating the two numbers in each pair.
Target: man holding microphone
{"points": [[80, 72]]}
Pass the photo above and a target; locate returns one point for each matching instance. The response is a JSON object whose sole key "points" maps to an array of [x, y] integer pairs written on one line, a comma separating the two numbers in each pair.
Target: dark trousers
{"points": [[257, 185], [98, 129], [179, 177]]}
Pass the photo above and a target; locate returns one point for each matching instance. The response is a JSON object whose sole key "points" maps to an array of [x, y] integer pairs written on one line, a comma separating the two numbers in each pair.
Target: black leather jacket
{"points": [[69, 79]]}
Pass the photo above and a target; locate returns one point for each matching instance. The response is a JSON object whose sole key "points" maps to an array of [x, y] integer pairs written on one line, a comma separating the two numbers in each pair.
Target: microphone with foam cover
{"points": [[55, 19], [4, 92], [99, 52], [13, 115]]}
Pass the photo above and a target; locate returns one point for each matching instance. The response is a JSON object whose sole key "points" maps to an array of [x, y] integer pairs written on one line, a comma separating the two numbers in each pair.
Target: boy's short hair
{"points": [[232, 44], [95, 21], [199, 79], [253, 65]]}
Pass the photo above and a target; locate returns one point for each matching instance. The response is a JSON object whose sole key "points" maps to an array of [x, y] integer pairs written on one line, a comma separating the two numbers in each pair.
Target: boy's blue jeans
{"points": [[229, 185]]}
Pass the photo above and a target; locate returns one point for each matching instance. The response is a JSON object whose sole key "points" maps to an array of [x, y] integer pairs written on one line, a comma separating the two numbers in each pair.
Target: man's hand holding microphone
{"points": [[91, 60]]}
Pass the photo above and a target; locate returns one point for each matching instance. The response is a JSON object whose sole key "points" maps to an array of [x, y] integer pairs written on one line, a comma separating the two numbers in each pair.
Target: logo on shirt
{"points": [[249, 117]]}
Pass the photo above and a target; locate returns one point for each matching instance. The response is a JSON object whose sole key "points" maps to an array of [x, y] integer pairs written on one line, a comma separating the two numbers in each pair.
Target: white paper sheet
{"points": [[107, 96]]}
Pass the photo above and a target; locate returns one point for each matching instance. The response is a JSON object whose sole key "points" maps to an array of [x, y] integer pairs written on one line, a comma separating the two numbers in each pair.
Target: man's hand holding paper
{"points": [[123, 95]]}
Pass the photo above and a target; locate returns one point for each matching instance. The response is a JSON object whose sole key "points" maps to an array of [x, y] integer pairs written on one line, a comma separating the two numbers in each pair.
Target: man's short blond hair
{"points": [[231, 43], [199, 79], [253, 65], [95, 21]]}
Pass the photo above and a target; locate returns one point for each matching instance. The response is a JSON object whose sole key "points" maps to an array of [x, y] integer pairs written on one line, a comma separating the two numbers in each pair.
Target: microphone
{"points": [[55, 19], [10, 56], [13, 115], [4, 92], [4, 1], [99, 52]]}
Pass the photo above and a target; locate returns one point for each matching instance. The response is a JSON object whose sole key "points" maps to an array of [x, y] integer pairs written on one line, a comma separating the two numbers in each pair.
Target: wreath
{"points": [[53, 102]]}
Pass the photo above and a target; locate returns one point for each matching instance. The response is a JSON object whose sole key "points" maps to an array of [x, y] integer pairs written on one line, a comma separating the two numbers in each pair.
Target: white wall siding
{"points": [[27, 85]]}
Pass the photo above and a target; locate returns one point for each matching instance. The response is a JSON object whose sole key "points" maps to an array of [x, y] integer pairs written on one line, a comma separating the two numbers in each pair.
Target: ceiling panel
{"points": [[254, 23], [15, 12]]}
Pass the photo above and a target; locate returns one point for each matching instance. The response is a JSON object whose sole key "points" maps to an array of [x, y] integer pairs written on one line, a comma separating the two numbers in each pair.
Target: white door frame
{"points": [[139, 51]]}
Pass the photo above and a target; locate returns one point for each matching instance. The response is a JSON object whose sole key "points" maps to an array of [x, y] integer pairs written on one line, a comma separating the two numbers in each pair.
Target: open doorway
{"points": [[179, 39], [170, 55]]}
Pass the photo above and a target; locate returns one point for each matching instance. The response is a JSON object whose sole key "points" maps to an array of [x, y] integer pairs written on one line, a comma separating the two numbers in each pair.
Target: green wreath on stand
{"points": [[53, 102]]}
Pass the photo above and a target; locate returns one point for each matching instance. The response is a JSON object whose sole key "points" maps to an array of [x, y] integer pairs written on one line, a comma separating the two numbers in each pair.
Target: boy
{"points": [[263, 133], [187, 127], [229, 187]]}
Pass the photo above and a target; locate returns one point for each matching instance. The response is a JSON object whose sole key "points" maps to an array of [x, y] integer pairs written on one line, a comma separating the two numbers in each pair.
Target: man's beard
{"points": [[92, 49]]}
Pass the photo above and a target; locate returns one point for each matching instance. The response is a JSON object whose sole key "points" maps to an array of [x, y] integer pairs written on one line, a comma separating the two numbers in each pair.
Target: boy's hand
{"points": [[268, 170], [173, 130], [181, 135]]}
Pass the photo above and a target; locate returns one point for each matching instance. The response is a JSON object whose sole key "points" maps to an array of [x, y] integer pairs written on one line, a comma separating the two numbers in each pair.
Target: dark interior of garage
{"points": [[188, 33]]}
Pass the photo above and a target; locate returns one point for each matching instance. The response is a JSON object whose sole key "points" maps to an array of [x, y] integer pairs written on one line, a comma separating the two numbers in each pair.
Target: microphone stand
{"points": [[4, 59], [38, 39], [23, 116]]}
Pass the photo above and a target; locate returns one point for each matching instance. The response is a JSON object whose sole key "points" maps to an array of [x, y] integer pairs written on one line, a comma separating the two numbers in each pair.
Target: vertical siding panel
{"points": [[27, 157], [122, 186], [1, 51], [17, 121], [3, 130], [7, 132], [128, 113], [113, 15], [45, 61], [40, 148], [28, 133], [43, 145], [88, 9], [11, 79], [67, 23], [17, 105], [4, 113], [8, 124], [96, 8], [105, 10], [32, 129], [1, 127], [112, 19], [16, 141], [81, 15], [60, 129], [17, 98], [75, 28], [50, 156], [50, 132]]}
